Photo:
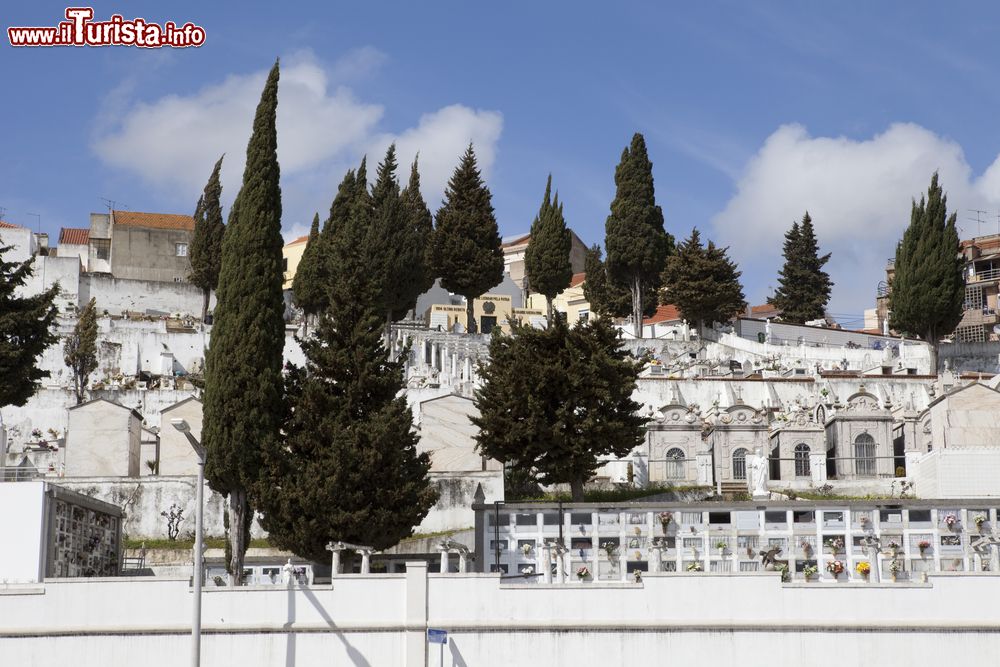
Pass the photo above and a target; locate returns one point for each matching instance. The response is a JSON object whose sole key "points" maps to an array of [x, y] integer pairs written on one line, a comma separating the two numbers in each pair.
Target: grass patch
{"points": [[815, 495], [622, 494], [186, 544]]}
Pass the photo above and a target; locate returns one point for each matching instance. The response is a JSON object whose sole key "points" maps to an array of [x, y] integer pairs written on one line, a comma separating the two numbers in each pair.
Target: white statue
{"points": [[757, 465]]}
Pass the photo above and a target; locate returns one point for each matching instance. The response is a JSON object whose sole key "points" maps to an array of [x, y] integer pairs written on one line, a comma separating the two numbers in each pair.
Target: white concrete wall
{"points": [[22, 525], [117, 295], [102, 440], [176, 455], [685, 619], [453, 510], [969, 472]]}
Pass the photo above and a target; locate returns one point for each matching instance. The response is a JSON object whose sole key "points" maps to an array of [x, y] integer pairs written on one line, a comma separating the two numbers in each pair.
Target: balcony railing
{"points": [[988, 274]]}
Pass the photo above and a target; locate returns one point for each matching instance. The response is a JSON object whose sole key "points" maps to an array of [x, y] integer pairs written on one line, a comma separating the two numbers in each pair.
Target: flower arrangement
{"points": [[810, 571], [863, 520], [895, 566], [665, 519], [863, 568], [924, 545], [835, 567], [785, 575], [637, 530], [36, 433], [894, 547], [835, 544], [722, 545], [694, 567], [638, 556], [583, 572], [950, 520], [979, 520], [807, 547], [528, 569], [610, 548], [527, 548]]}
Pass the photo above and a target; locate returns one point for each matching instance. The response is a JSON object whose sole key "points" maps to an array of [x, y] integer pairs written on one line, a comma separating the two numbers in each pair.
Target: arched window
{"points": [[802, 460], [740, 464], [675, 463], [864, 455]]}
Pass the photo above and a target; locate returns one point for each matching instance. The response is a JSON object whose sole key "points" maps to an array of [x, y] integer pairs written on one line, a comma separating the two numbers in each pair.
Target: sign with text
{"points": [[435, 636]]}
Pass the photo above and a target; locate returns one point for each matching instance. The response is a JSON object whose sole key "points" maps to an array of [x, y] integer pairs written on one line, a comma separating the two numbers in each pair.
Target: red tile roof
{"points": [[667, 313], [766, 308], [7, 225], [153, 220], [74, 236], [518, 241], [577, 279], [301, 239]]}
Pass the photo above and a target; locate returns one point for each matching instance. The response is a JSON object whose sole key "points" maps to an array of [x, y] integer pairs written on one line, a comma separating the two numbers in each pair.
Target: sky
{"points": [[753, 113]]}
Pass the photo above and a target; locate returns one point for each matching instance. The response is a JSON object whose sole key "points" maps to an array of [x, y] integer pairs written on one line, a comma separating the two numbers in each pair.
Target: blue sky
{"points": [[753, 113]]}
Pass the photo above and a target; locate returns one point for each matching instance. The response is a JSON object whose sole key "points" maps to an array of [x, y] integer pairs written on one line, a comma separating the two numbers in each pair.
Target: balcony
{"points": [[985, 275]]}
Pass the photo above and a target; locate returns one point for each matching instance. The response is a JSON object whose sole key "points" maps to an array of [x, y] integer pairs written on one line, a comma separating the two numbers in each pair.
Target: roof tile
{"points": [[153, 220]]}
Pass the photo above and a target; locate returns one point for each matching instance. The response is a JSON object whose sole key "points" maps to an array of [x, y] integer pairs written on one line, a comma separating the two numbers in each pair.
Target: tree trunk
{"points": [[388, 333], [637, 307], [239, 515], [548, 305], [470, 320], [932, 341], [206, 296], [305, 324], [576, 490]]}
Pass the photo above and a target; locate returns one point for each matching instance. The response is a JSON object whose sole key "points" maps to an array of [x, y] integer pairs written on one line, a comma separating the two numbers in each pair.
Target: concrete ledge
{"points": [[33, 590]]}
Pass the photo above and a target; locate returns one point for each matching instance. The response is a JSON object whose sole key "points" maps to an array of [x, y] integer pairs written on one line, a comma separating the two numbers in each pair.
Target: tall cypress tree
{"points": [[349, 469], [206, 242], [803, 286], [422, 227], [636, 243], [703, 282], [928, 290], [25, 331], [554, 401], [243, 407], [309, 284], [467, 250], [606, 297], [547, 259], [80, 349]]}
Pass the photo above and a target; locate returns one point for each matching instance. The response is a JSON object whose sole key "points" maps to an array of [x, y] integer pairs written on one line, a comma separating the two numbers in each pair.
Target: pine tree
{"points": [[80, 349], [422, 226], [244, 407], [803, 286], [606, 297], [636, 244], [547, 259], [467, 251], [928, 290], [349, 469], [554, 401], [206, 242], [25, 331], [703, 283], [309, 284]]}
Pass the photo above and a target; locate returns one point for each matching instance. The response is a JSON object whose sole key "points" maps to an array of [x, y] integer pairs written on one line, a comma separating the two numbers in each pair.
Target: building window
{"points": [[284, 264], [181, 249], [740, 464], [864, 455], [675, 463], [102, 248], [584, 315], [802, 460]]}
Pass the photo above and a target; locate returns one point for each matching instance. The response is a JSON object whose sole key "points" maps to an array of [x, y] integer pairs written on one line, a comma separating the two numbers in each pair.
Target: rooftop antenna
{"points": [[38, 220], [979, 219]]}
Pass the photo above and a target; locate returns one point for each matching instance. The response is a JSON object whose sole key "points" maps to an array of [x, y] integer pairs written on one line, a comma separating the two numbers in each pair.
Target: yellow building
{"points": [[291, 255], [490, 311], [571, 302]]}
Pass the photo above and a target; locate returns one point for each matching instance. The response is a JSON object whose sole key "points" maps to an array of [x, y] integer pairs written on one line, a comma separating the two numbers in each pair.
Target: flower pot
{"points": [[894, 577], [722, 553]]}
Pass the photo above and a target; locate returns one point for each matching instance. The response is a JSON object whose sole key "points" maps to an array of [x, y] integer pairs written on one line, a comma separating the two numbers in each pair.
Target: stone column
{"points": [[467, 373], [623, 564], [434, 355], [444, 561], [461, 562], [366, 560], [545, 563]]}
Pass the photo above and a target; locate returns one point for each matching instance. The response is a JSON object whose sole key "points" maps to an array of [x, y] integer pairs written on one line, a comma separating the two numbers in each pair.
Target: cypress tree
{"points": [[467, 249], [349, 469], [554, 401], [606, 297], [637, 245], [803, 286], [243, 406], [927, 290], [25, 331], [309, 284], [206, 242], [422, 227], [80, 349], [703, 282], [547, 259]]}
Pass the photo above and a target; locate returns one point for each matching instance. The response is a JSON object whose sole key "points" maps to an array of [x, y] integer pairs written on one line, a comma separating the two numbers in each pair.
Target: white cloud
{"points": [[172, 142], [858, 194]]}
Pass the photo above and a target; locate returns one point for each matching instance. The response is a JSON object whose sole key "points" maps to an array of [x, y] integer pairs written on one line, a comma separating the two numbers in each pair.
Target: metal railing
{"points": [[988, 274], [19, 474]]}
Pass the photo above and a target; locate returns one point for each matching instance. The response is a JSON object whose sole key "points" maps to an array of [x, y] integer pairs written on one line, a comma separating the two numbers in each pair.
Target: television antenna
{"points": [[979, 219]]}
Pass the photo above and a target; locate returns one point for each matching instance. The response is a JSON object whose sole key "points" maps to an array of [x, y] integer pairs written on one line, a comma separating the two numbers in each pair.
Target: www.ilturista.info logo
{"points": [[81, 30]]}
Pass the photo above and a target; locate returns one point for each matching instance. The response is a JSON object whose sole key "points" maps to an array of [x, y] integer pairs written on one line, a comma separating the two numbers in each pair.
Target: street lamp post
{"points": [[199, 450]]}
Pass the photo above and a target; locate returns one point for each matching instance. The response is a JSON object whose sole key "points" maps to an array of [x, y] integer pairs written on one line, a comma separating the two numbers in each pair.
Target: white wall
{"points": [[453, 510], [969, 472], [117, 295], [377, 620], [22, 526]]}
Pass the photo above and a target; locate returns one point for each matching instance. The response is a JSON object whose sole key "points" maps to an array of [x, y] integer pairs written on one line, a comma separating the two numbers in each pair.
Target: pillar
{"points": [[545, 563], [461, 562], [434, 355], [366, 561], [657, 562], [444, 561], [335, 566], [467, 372]]}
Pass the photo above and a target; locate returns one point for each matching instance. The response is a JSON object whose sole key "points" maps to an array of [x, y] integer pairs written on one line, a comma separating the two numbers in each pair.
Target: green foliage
{"points": [[613, 495], [636, 243], [608, 298], [555, 400], [467, 253], [25, 331], [547, 259], [206, 242], [422, 227], [803, 286], [703, 282], [309, 284], [927, 289], [80, 349], [244, 407], [348, 469]]}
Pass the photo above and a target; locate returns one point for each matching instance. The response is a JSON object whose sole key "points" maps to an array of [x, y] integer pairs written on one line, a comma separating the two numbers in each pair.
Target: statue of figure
{"points": [[758, 469]]}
